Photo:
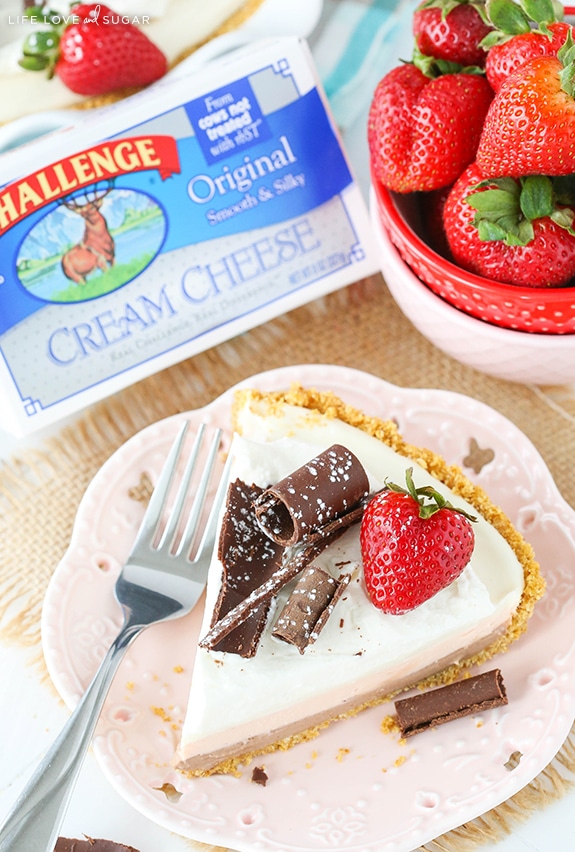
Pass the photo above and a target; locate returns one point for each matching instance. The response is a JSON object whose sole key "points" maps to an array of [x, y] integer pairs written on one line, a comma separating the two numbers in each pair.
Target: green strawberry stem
{"points": [[427, 498], [447, 6], [433, 67], [506, 211], [566, 56], [41, 48], [510, 18]]}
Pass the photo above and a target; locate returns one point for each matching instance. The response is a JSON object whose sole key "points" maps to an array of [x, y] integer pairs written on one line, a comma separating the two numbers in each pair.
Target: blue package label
{"points": [[155, 237]]}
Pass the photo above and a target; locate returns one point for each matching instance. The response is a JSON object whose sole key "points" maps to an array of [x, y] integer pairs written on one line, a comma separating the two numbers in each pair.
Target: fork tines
{"points": [[176, 536]]}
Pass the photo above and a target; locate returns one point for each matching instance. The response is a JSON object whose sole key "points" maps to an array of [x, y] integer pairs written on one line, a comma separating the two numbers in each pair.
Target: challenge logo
{"points": [[104, 161], [95, 236]]}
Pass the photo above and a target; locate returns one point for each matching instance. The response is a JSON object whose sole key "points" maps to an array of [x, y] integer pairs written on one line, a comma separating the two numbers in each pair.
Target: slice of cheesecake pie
{"points": [[291, 639]]}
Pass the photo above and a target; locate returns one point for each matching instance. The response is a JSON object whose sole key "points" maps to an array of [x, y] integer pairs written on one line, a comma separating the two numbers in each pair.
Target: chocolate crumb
{"points": [[259, 776]]}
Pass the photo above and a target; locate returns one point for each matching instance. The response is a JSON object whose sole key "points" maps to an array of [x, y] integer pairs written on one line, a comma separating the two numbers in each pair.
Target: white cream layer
{"points": [[181, 24], [360, 647]]}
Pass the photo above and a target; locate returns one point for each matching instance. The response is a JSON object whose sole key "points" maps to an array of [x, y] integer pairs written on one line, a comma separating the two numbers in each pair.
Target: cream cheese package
{"points": [[162, 225]]}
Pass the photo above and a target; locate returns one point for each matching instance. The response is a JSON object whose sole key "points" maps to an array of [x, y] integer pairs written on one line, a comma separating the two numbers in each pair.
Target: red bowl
{"points": [[546, 311]]}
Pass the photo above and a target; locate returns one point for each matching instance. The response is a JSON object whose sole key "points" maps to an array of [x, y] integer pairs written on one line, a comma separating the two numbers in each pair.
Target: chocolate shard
{"points": [[288, 570], [309, 606], [248, 558], [324, 488], [472, 695]]}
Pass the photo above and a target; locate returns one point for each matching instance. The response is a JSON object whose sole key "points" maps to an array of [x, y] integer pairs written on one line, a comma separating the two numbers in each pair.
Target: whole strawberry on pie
{"points": [[414, 543], [517, 231], [94, 54]]}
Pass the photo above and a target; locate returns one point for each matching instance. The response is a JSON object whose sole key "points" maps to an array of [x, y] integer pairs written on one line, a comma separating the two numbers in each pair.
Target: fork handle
{"points": [[34, 822]]}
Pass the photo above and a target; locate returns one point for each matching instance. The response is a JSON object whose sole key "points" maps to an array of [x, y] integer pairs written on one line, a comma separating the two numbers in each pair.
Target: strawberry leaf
{"points": [[540, 11], [508, 17], [492, 204], [564, 217], [566, 56], [41, 48], [40, 43], [490, 231], [433, 67], [446, 6], [536, 199], [506, 210], [34, 63]]}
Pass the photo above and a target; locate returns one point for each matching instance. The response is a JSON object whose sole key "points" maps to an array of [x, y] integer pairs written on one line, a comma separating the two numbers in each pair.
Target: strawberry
{"points": [[413, 544], [423, 131], [451, 30], [530, 126], [503, 59], [95, 53], [521, 31], [513, 231]]}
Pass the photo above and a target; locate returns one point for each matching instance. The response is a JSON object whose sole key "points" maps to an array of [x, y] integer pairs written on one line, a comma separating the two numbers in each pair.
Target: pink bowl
{"points": [[549, 311]]}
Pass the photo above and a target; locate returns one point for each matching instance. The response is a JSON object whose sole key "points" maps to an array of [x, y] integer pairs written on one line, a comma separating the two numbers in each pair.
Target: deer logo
{"points": [[96, 249]]}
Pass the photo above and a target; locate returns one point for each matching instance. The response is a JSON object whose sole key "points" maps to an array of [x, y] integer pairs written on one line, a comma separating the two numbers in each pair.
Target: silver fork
{"points": [[159, 582]]}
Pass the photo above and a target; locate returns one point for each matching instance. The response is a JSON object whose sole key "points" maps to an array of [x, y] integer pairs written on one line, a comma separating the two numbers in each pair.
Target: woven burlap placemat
{"points": [[358, 327]]}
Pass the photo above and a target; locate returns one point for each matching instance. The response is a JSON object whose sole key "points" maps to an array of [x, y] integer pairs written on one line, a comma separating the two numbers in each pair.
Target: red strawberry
{"points": [[95, 53], [450, 30], [503, 59], [423, 132], [412, 548], [530, 126], [513, 231]]}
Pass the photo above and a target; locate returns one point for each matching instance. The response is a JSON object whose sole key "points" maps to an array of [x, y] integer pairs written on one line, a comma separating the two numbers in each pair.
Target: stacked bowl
{"points": [[521, 334]]}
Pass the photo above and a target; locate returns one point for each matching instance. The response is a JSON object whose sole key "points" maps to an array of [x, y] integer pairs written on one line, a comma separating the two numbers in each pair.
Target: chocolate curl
{"points": [[309, 606], [472, 695], [288, 571], [317, 492]]}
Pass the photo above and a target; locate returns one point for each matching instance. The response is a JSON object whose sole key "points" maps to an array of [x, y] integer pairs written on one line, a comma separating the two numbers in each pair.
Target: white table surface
{"points": [[31, 716]]}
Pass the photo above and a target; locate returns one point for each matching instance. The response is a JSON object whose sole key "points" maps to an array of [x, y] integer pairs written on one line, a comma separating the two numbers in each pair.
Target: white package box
{"points": [[167, 223]]}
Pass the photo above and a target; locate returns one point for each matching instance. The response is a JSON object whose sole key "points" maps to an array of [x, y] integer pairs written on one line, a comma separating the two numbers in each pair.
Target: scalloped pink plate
{"points": [[354, 787]]}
